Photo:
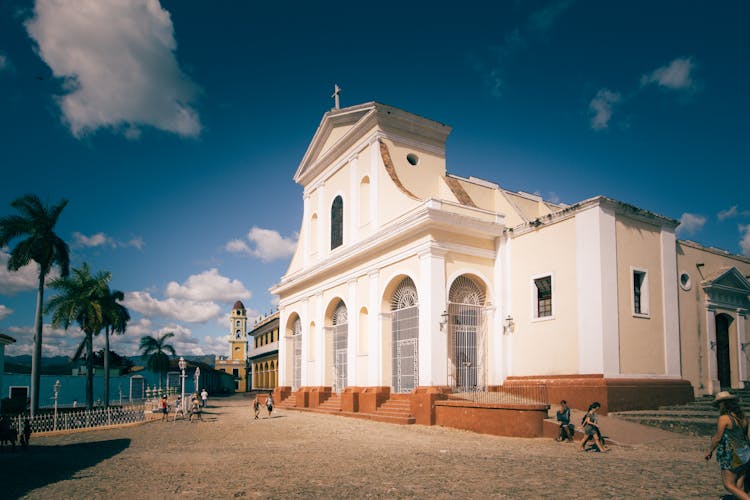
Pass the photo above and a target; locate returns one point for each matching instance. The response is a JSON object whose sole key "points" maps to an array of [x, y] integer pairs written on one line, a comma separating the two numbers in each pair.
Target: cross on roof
{"points": [[336, 92]]}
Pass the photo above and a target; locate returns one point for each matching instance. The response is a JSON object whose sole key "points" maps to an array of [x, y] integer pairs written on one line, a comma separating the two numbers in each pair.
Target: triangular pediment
{"points": [[337, 129], [729, 279]]}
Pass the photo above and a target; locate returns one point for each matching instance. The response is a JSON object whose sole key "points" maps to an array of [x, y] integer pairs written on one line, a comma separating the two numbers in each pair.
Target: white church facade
{"points": [[406, 277]]}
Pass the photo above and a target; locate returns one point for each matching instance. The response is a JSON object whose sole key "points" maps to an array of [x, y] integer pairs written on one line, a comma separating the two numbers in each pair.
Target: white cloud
{"points": [[118, 61], [690, 224], [674, 76], [745, 241], [601, 108], [267, 245], [216, 345], [208, 286], [55, 341], [12, 282], [728, 213], [5, 311], [190, 311], [100, 239]]}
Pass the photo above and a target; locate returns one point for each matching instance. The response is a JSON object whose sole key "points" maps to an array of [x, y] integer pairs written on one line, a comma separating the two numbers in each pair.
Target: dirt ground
{"points": [[302, 454]]}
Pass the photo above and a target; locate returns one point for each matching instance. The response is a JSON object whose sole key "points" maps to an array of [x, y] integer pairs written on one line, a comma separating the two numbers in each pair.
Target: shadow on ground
{"points": [[37, 466]]}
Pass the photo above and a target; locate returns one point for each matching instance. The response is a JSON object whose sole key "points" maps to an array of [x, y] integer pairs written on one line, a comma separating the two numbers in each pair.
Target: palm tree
{"points": [[156, 350], [35, 224], [116, 317], [80, 301]]}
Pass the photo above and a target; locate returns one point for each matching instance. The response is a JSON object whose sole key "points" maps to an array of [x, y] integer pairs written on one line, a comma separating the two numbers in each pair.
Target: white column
{"points": [[324, 223], [306, 229], [433, 344], [282, 362], [671, 308], [320, 354], [353, 222], [352, 341], [305, 315], [741, 355], [374, 175], [375, 354], [713, 385], [596, 276], [498, 341]]}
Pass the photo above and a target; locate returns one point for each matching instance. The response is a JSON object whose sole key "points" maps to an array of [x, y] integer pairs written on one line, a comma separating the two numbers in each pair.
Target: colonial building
{"points": [[264, 353], [406, 276], [236, 363]]}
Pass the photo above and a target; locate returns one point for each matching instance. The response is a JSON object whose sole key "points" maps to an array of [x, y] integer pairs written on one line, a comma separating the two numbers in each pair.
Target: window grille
{"points": [[405, 336], [637, 284], [337, 222]]}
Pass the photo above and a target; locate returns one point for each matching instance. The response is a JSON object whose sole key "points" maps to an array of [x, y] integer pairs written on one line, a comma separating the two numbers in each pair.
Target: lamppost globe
{"points": [[182, 363]]}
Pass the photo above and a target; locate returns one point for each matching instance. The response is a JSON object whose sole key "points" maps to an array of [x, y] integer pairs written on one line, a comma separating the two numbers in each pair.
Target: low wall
{"points": [[498, 420], [614, 394]]}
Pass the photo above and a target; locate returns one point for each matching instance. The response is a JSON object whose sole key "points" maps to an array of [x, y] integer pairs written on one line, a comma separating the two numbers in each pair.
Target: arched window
{"points": [[337, 222], [314, 234], [340, 347], [466, 339]]}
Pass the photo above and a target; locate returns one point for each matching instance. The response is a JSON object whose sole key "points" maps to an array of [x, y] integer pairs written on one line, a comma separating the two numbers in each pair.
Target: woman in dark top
{"points": [[591, 429]]}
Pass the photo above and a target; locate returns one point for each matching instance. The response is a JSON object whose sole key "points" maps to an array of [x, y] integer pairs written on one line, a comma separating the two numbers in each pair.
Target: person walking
{"points": [[269, 404], [731, 443], [164, 407], [204, 397], [591, 429], [195, 408], [256, 407]]}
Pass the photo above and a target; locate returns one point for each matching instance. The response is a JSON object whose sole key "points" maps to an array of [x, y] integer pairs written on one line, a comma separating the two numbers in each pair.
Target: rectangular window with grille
{"points": [[543, 296], [640, 292]]}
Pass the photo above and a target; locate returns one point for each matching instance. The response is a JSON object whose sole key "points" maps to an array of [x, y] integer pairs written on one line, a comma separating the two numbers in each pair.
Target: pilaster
{"points": [[433, 355]]}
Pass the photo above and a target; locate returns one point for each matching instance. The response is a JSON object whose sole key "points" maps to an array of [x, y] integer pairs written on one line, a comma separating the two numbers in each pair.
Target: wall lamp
{"points": [[443, 320], [508, 323]]}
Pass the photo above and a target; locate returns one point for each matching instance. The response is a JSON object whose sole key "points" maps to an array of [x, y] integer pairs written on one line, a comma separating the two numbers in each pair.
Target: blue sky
{"points": [[174, 128]]}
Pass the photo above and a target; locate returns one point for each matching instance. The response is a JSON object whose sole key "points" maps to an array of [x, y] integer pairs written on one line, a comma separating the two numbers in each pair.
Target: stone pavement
{"points": [[303, 454]]}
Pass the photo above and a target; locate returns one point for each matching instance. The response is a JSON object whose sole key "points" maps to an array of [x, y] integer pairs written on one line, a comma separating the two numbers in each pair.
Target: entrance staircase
{"points": [[289, 402], [696, 419], [396, 410]]}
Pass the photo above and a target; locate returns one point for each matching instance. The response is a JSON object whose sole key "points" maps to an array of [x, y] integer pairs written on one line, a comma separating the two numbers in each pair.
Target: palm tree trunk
{"points": [[36, 358], [89, 371], [106, 367]]}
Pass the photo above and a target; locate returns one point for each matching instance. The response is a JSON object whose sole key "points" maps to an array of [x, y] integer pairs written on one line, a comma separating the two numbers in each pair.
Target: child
{"points": [[269, 405], [164, 407], [256, 407]]}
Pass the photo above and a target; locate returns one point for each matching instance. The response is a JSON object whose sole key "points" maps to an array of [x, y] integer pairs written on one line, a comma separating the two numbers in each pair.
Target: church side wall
{"points": [[545, 346], [641, 335]]}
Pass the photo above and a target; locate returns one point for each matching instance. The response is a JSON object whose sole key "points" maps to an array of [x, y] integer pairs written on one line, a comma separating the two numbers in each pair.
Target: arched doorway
{"points": [[466, 339], [405, 336], [723, 367], [340, 344]]}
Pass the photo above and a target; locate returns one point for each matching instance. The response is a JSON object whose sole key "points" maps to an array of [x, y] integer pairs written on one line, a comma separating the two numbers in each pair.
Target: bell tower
{"points": [[238, 332]]}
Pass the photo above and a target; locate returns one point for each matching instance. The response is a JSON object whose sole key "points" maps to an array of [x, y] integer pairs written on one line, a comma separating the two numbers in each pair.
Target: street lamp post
{"points": [[57, 392], [182, 364], [197, 378]]}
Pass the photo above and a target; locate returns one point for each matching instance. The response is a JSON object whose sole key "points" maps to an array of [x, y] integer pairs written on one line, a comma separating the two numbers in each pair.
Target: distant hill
{"points": [[56, 365]]}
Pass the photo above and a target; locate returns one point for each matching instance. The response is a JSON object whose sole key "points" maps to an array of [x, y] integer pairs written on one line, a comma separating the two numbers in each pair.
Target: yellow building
{"points": [[264, 353], [236, 363]]}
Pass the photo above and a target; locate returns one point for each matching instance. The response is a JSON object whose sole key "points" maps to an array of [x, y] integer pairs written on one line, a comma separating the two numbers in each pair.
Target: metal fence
{"points": [[81, 419], [515, 395]]}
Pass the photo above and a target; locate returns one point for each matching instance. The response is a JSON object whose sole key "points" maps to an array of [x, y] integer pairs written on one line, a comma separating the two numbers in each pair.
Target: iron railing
{"points": [[533, 394], [81, 419]]}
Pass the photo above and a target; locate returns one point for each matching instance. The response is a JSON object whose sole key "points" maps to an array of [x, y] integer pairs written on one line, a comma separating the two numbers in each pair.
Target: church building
{"points": [[406, 276]]}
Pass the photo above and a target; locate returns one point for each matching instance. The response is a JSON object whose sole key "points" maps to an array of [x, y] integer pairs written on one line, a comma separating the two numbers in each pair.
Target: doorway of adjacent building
{"points": [[723, 367]]}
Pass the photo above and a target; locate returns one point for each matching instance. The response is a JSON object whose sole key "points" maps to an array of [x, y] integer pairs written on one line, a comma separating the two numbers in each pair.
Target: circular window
{"points": [[412, 159], [685, 282]]}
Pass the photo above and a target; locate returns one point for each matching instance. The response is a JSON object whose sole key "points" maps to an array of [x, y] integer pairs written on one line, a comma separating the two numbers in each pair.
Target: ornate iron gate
{"points": [[405, 336], [297, 353], [340, 340], [466, 336]]}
